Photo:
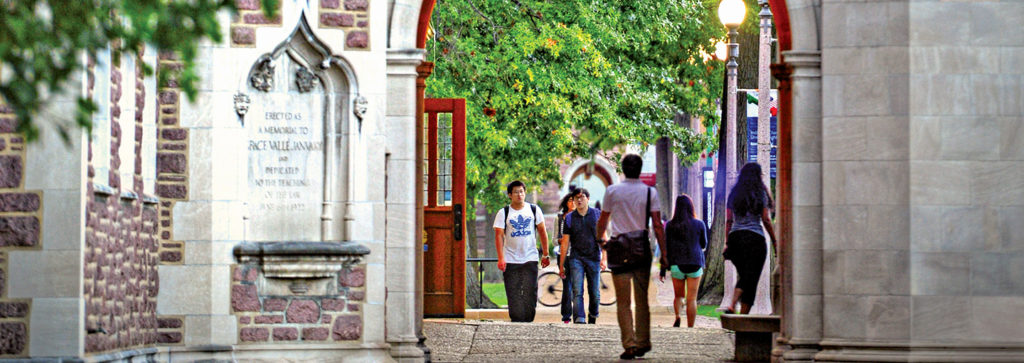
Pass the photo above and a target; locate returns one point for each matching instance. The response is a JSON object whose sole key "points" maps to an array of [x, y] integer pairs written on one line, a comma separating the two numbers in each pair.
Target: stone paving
{"points": [[454, 340]]}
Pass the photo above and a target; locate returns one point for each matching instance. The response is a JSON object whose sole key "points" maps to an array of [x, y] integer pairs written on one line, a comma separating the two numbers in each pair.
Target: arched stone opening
{"points": [[305, 107]]}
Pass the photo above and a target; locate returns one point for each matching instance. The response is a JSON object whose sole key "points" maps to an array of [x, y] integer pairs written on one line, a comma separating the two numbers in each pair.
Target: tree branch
{"points": [[494, 27]]}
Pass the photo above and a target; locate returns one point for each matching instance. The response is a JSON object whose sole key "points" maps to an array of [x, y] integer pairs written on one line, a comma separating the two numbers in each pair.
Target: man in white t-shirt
{"points": [[516, 242], [624, 210]]}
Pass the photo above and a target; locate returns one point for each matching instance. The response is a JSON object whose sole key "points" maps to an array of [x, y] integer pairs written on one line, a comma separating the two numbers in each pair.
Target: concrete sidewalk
{"points": [[452, 340], [487, 336]]}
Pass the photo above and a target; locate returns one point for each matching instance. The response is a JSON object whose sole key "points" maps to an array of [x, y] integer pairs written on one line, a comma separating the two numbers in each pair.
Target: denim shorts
{"points": [[679, 275]]}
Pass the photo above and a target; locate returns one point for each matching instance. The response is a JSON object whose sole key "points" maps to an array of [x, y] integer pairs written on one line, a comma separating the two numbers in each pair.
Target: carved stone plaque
{"points": [[285, 150]]}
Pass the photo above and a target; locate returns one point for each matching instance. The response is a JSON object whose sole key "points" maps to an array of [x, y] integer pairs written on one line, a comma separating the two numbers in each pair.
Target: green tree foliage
{"points": [[546, 80], [44, 42]]}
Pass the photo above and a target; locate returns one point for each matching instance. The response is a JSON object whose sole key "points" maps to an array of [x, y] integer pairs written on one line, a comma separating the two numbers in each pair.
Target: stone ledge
{"points": [[301, 260], [751, 323]]}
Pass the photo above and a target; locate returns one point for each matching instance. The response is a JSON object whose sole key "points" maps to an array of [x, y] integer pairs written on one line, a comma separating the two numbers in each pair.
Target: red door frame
{"points": [[444, 226]]}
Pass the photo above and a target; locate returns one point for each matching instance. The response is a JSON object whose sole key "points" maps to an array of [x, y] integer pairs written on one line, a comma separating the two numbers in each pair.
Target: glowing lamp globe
{"points": [[731, 12], [721, 50]]}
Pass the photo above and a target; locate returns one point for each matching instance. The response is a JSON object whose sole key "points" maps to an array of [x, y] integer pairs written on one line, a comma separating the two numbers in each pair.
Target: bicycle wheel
{"points": [[549, 289], [607, 288]]}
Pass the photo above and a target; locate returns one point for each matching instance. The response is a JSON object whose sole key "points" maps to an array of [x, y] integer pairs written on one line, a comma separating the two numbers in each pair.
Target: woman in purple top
{"points": [[748, 209], [686, 239]]}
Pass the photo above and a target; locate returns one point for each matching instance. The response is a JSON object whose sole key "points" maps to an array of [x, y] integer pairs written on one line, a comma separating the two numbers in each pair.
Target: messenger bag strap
{"points": [[648, 209]]}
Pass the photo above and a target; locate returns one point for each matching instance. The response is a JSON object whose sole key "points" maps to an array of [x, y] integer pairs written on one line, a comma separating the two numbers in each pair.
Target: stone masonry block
{"points": [[169, 323], [269, 319], [286, 334], [13, 336], [254, 334], [8, 125], [358, 5], [353, 278], [243, 298], [333, 304], [175, 134], [13, 309], [173, 191], [303, 311], [315, 333], [330, 4], [247, 4], [337, 20], [11, 170], [347, 327], [356, 295], [19, 202], [171, 337], [243, 35], [19, 231], [275, 304], [258, 18], [357, 40], [171, 163]]}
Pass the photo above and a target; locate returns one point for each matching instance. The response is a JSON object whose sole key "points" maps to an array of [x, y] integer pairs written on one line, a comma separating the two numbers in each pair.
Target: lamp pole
{"points": [[730, 123], [731, 13], [764, 93]]}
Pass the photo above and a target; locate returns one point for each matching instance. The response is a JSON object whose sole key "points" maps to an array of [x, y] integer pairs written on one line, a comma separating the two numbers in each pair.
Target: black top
{"points": [[686, 242], [582, 232]]}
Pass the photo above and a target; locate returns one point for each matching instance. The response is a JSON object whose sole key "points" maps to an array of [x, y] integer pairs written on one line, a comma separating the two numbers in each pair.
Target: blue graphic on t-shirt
{"points": [[521, 226]]}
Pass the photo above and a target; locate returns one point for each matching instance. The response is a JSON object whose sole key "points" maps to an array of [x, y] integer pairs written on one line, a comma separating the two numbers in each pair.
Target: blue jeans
{"points": [[567, 293], [592, 270]]}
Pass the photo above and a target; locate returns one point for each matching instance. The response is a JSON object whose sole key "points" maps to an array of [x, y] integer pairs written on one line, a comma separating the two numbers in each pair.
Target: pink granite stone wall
{"points": [[120, 281], [20, 229], [266, 318], [352, 16], [250, 16]]}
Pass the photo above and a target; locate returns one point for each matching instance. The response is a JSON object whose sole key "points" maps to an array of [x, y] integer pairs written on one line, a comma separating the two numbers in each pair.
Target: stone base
{"points": [[753, 335], [858, 351]]}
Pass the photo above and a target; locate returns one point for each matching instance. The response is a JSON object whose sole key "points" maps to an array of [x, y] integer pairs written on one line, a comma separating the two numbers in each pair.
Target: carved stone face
{"points": [[241, 104], [361, 106]]}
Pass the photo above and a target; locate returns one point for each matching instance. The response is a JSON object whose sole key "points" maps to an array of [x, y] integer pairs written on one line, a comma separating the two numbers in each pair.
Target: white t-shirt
{"points": [[520, 236], [625, 201]]}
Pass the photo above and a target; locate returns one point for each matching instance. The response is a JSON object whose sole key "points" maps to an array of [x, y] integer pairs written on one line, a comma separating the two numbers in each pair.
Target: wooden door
{"points": [[444, 249]]}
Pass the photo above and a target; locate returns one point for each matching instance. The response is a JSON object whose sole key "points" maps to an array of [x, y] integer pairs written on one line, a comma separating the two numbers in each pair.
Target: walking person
{"points": [[747, 218], [584, 257], [565, 207], [686, 239], [516, 244], [627, 207]]}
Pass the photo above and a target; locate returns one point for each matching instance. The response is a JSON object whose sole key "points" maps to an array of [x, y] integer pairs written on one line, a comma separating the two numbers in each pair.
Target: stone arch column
{"points": [[404, 199], [800, 201]]}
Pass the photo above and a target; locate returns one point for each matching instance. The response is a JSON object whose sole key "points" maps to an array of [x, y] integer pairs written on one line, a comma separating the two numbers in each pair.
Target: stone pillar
{"points": [[423, 71], [403, 235], [802, 253]]}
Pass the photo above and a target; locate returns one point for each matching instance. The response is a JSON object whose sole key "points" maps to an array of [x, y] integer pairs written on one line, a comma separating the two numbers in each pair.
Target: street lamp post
{"points": [[731, 13], [764, 94]]}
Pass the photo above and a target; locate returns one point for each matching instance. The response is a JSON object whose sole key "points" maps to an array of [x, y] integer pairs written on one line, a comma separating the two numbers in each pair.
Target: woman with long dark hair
{"points": [[566, 206], [686, 239], [747, 218]]}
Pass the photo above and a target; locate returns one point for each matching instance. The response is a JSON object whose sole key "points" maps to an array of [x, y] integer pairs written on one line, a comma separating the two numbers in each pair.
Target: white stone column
{"points": [[802, 310], [402, 234]]}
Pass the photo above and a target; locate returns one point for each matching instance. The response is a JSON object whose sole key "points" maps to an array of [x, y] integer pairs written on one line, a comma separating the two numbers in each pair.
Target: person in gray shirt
{"points": [[748, 208]]}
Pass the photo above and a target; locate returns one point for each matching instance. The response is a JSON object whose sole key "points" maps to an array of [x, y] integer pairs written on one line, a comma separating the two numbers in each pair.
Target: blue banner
{"points": [[752, 141]]}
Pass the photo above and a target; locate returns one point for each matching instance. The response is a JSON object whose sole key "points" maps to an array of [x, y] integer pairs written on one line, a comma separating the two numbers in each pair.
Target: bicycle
{"points": [[549, 288]]}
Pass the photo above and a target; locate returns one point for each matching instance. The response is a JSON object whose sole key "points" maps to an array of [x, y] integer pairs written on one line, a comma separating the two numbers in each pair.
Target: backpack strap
{"points": [[506, 218], [533, 208]]}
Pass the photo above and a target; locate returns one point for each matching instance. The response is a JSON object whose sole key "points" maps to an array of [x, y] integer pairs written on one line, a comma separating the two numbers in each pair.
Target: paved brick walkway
{"points": [[499, 341]]}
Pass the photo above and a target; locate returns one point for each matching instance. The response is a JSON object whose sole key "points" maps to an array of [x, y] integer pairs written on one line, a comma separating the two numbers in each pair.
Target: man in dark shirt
{"points": [[584, 257]]}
